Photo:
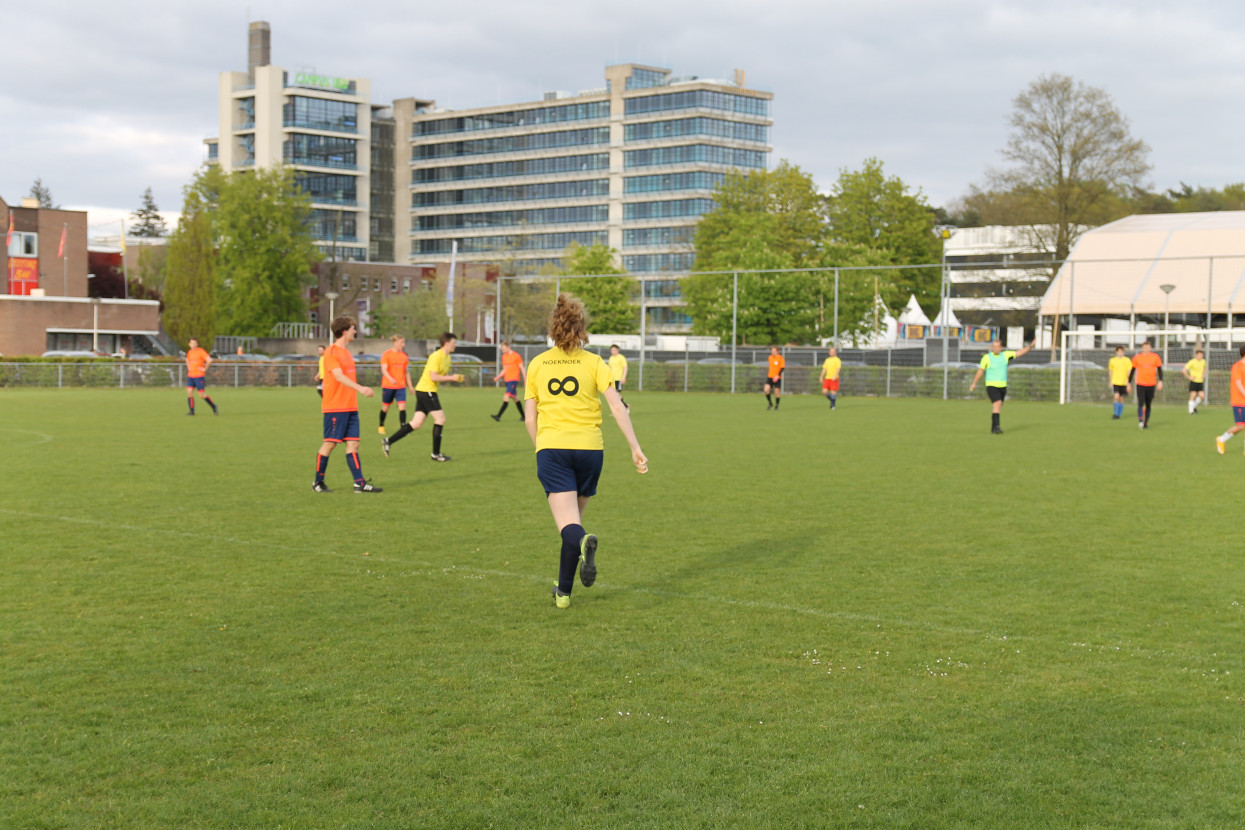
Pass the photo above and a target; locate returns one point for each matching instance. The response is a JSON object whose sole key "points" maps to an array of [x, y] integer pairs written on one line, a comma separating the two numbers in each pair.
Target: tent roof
{"points": [[912, 315], [1117, 270], [946, 317]]}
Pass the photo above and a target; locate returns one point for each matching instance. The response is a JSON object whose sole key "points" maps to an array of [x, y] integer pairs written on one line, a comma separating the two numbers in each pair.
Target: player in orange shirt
{"points": [[773, 378], [1147, 376], [395, 380], [513, 370], [197, 362], [341, 408], [1237, 390]]}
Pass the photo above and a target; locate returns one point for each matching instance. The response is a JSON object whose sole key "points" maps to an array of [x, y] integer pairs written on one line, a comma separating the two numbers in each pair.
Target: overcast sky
{"points": [[102, 101]]}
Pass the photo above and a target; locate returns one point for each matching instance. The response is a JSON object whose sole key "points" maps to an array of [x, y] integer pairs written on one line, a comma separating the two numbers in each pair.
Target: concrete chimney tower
{"points": [[259, 47]]}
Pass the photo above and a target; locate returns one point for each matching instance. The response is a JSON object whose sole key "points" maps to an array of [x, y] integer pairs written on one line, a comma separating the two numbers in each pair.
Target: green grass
{"points": [[877, 617]]}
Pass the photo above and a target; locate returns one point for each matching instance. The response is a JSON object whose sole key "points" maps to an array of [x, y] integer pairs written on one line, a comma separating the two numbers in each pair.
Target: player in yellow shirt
{"points": [[395, 380], [1118, 370], [564, 421], [513, 370], [197, 363], [829, 376], [436, 372], [618, 372], [320, 373], [1195, 371]]}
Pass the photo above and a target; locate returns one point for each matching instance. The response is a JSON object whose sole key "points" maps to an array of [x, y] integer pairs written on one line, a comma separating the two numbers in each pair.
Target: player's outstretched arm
{"points": [[976, 378], [619, 411], [1027, 349]]}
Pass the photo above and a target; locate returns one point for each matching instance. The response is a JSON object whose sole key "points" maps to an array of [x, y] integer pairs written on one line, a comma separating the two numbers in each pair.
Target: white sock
{"points": [[1226, 437]]}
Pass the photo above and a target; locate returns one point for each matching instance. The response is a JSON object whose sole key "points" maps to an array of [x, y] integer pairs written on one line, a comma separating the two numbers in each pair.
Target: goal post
{"points": [[1083, 357]]}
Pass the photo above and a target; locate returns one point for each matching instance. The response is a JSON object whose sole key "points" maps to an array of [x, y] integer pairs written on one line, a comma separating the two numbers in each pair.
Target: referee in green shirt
{"points": [[994, 367]]}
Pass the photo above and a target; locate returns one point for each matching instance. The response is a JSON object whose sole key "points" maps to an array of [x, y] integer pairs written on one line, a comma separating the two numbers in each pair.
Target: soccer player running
{"points": [[1237, 399], [436, 372], [618, 372], [1119, 368], [1195, 371], [1147, 376], [197, 363], [513, 370], [564, 421], [395, 379], [829, 376], [341, 408], [773, 378], [994, 366]]}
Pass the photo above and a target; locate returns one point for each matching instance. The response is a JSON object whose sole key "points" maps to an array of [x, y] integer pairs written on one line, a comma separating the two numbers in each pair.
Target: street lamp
{"points": [[95, 324], [944, 232], [332, 298], [1167, 289]]}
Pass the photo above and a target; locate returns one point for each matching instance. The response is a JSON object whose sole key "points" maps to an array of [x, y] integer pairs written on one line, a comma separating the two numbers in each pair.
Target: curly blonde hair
{"points": [[568, 325]]}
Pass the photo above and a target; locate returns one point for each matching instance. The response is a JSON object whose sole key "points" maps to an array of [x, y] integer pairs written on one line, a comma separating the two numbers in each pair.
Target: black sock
{"points": [[518, 407], [777, 402], [401, 433], [769, 398], [436, 438], [190, 402], [994, 420], [208, 398], [501, 411], [383, 413], [402, 417], [572, 535]]}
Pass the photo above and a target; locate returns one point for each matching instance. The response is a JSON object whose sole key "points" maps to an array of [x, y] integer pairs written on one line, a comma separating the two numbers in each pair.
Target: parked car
{"points": [[72, 353], [720, 361], [296, 358], [367, 357], [243, 358], [464, 358]]}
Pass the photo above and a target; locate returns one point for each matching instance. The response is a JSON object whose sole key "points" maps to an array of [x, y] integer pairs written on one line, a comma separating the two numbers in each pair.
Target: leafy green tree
{"points": [[418, 314], [1203, 199], [608, 298], [43, 194], [190, 286], [872, 211], [264, 250], [149, 222], [525, 308]]}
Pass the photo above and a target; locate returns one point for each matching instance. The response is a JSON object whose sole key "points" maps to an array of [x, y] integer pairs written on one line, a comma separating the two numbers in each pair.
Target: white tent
{"points": [[1120, 269], [946, 317], [912, 314]]}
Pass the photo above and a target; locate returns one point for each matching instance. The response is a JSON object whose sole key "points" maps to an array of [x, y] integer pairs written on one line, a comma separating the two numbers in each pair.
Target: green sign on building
{"points": [[322, 81]]}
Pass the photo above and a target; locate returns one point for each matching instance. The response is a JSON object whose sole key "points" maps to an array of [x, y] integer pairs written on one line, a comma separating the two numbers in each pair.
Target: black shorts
{"points": [[775, 383], [1119, 390], [1145, 395], [1196, 385], [564, 471], [427, 402], [996, 393]]}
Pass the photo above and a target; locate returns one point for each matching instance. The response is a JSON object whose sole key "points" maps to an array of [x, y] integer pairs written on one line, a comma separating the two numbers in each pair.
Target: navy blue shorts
{"points": [[1238, 414], [561, 471], [512, 388], [391, 395], [196, 383], [341, 426]]}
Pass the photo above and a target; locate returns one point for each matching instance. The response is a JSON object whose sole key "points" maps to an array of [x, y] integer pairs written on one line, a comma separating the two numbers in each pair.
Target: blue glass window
{"points": [[513, 143], [651, 263], [320, 151], [512, 193], [515, 118], [509, 218], [694, 153], [506, 169], [734, 130], [514, 242], [694, 180], [324, 223], [646, 78], [638, 211], [328, 188], [649, 237], [321, 114], [698, 99]]}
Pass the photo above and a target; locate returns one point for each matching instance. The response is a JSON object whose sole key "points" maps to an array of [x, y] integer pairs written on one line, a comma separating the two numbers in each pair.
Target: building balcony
{"points": [[323, 126], [334, 164]]}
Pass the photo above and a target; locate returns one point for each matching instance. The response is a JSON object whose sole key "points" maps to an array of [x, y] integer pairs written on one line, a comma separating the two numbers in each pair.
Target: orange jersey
{"points": [[394, 362], [338, 397], [1147, 366], [1238, 379], [776, 364], [196, 362], [512, 366]]}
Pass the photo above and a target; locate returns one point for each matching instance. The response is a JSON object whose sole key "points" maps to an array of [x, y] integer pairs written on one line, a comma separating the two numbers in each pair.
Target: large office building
{"points": [[326, 128], [631, 165]]}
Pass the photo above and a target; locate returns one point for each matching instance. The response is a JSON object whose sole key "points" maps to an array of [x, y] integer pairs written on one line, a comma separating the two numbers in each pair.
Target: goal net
{"points": [[1083, 376]]}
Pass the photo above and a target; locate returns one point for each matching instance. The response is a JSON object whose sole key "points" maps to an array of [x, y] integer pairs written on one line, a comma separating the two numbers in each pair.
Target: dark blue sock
{"points": [[322, 464], [572, 535], [356, 469]]}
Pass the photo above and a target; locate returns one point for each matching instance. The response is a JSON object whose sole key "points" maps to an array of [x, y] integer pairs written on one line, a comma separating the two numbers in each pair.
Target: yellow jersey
{"points": [[831, 367], [618, 367], [1196, 369], [438, 362], [566, 388], [1119, 368]]}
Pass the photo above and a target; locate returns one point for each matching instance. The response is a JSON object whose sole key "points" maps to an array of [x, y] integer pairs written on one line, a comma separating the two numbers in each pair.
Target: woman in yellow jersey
{"points": [[564, 421], [1195, 371]]}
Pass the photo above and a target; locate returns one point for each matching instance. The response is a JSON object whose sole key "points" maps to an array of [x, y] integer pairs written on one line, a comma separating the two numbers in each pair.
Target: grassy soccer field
{"points": [[878, 617]]}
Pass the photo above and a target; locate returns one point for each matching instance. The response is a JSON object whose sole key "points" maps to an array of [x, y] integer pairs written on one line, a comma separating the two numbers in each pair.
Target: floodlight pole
{"points": [[944, 232], [836, 307], [734, 327], [332, 298], [1167, 289]]}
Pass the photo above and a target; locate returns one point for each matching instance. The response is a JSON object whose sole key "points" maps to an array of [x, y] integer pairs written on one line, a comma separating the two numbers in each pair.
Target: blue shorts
{"points": [[341, 426], [196, 383], [512, 388], [1238, 414], [391, 395], [561, 471]]}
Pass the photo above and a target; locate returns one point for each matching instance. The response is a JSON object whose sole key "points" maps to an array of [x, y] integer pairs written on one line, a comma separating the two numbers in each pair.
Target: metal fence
{"points": [[896, 373]]}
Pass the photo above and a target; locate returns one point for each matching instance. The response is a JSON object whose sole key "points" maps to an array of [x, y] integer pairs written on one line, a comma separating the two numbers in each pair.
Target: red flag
{"points": [[60, 252]]}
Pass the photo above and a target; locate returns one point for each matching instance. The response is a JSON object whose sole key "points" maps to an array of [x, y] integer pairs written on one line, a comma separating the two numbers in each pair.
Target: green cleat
{"points": [[560, 599], [588, 560]]}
